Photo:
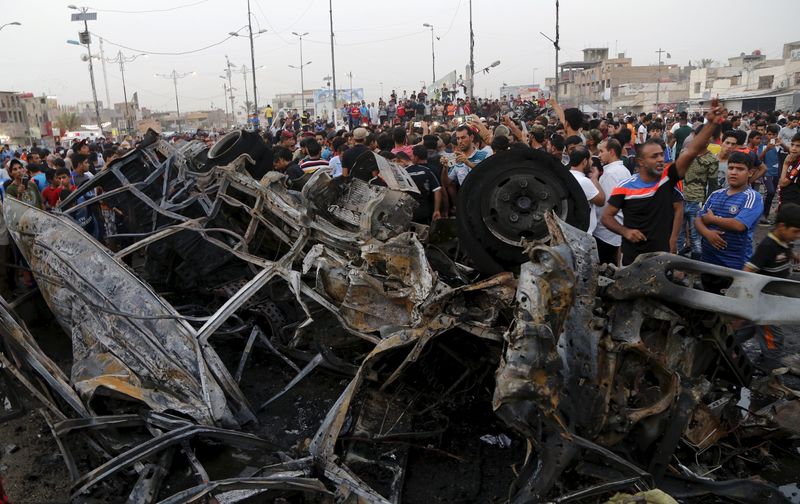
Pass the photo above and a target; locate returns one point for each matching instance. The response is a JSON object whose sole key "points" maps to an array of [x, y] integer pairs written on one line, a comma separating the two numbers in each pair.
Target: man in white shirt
{"points": [[614, 173], [580, 161], [641, 132], [374, 118]]}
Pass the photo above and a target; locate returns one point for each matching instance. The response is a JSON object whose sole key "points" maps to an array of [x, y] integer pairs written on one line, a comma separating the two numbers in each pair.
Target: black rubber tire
{"points": [[521, 184], [236, 143]]}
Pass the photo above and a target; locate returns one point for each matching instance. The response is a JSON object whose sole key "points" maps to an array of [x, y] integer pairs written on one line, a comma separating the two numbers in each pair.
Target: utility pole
{"points": [[86, 38], [557, 47], [333, 62], [471, 55], [658, 83], [105, 75], [175, 76], [121, 59], [230, 88], [246, 96], [350, 74], [433, 54], [225, 101]]}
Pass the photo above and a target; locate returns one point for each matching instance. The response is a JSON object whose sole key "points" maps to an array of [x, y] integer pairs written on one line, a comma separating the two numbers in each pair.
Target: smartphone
{"points": [[772, 142], [417, 124]]}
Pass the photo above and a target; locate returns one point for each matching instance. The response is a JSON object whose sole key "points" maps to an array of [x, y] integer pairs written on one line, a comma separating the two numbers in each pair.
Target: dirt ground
{"points": [[33, 471], [30, 463]]}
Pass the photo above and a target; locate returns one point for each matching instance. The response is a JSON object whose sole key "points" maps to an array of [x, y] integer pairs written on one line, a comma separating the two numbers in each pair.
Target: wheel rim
{"points": [[513, 208]]}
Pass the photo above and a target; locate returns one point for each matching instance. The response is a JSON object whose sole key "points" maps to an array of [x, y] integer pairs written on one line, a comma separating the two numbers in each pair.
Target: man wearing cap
{"points": [[288, 141], [350, 155]]}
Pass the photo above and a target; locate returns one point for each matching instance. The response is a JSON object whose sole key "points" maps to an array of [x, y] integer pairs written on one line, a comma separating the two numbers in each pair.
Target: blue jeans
{"points": [[690, 211], [771, 184]]}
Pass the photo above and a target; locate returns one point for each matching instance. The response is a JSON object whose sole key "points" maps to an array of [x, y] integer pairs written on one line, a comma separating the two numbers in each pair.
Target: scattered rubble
{"points": [[244, 336]]}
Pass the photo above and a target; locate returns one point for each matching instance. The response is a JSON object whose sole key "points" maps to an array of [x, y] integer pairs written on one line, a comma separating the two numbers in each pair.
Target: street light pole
{"points": [[471, 55], [302, 65], [84, 16], [333, 62], [253, 66], [433, 53], [175, 76]]}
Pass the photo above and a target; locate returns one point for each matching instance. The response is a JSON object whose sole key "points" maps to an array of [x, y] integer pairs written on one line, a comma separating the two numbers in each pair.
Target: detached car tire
{"points": [[236, 143], [503, 201]]}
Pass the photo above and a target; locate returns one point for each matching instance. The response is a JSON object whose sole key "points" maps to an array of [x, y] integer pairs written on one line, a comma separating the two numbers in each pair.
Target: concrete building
{"points": [[750, 82], [593, 84], [636, 98], [189, 121], [26, 119], [13, 126], [294, 101]]}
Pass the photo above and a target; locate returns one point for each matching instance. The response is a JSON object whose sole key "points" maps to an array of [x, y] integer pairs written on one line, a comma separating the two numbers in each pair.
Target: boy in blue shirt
{"points": [[728, 217]]}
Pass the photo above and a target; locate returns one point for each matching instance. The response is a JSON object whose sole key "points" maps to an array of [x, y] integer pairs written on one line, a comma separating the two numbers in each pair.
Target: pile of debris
{"points": [[251, 339]]}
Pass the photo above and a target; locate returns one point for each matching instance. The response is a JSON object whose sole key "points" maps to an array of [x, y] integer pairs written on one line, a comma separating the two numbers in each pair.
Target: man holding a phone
{"points": [[769, 155]]}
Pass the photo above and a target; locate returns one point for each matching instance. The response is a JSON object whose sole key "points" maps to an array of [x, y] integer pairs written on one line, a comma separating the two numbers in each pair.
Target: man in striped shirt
{"points": [[314, 160], [729, 215], [647, 198]]}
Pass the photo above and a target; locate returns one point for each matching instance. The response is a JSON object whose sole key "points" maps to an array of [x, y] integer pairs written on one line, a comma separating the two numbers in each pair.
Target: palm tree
{"points": [[68, 121], [247, 108]]}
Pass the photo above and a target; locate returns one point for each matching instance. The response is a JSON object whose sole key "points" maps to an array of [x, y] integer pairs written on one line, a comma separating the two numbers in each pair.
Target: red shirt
{"points": [[355, 112], [401, 111], [50, 195]]}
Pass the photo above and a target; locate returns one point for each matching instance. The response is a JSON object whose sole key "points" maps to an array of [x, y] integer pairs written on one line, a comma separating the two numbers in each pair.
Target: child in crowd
{"points": [[727, 219], [774, 257]]}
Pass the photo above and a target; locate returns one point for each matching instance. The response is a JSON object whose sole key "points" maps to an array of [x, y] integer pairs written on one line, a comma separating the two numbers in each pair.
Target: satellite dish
{"points": [[84, 57]]}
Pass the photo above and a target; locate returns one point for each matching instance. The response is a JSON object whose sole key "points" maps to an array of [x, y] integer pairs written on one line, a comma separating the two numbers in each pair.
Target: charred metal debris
{"points": [[247, 339]]}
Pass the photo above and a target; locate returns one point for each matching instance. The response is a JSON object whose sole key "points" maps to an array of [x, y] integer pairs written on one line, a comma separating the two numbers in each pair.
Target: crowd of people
{"points": [[695, 184]]}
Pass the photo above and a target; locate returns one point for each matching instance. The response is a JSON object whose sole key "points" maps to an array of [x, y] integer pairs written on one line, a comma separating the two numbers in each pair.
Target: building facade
{"points": [[750, 82]]}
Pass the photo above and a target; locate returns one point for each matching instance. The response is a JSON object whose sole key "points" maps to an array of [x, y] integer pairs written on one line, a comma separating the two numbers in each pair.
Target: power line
{"points": [[266, 20], [381, 40], [302, 15], [451, 21], [155, 53], [152, 10]]}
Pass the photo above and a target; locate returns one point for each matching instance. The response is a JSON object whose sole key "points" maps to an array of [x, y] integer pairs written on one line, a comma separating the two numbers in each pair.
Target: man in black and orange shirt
{"points": [[647, 198], [790, 174]]}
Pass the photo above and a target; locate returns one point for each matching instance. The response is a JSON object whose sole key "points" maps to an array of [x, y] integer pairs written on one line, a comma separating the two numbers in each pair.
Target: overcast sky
{"points": [[378, 41]]}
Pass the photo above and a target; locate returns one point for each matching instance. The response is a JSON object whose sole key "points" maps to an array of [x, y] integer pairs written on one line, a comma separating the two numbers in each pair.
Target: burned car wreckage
{"points": [[252, 339]]}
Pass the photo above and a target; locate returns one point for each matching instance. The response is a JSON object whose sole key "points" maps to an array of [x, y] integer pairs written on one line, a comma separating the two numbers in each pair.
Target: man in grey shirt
{"points": [[786, 133]]}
